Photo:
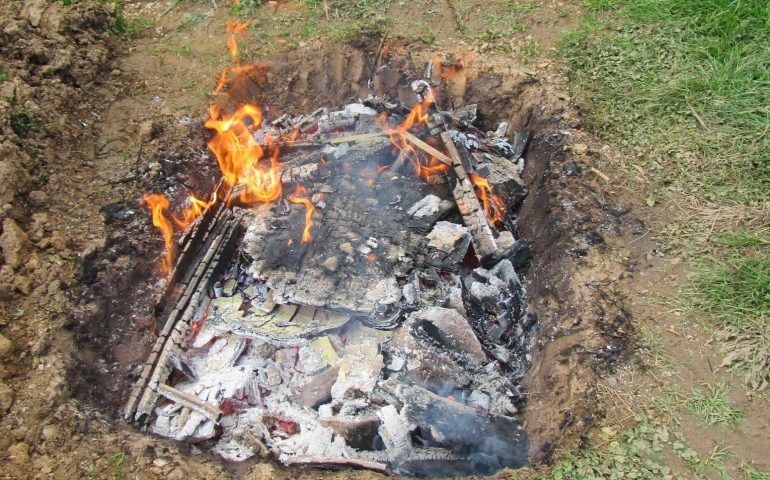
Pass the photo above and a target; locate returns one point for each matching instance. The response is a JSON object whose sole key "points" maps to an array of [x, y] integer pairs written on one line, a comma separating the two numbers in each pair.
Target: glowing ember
{"points": [[494, 205], [300, 196]]}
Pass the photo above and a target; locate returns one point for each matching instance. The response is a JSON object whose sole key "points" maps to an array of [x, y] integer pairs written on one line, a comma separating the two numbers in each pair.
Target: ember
{"points": [[377, 345]]}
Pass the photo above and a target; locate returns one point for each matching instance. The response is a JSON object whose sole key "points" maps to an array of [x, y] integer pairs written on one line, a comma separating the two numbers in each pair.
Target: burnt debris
{"points": [[395, 340]]}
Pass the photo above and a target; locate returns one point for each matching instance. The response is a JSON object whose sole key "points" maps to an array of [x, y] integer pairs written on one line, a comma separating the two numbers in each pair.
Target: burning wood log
{"points": [[470, 208]]}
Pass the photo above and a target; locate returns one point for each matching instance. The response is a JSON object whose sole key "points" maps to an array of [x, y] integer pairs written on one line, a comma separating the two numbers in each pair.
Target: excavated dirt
{"points": [[80, 255]]}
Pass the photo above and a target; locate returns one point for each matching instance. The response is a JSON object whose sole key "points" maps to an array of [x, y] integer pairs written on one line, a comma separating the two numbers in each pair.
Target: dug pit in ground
{"points": [[552, 237]]}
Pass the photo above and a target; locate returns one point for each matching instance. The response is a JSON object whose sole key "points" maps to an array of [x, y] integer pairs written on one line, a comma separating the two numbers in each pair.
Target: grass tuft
{"points": [[711, 405]]}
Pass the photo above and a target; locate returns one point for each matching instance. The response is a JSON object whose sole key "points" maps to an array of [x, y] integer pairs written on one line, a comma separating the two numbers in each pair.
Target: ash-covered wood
{"points": [[378, 344]]}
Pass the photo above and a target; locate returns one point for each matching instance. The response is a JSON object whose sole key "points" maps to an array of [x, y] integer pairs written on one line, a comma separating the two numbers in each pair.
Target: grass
{"points": [[3, 75], [646, 65], [23, 123], [711, 405], [683, 87]]}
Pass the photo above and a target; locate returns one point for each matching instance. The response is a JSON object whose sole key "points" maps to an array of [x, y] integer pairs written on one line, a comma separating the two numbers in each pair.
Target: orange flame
{"points": [[159, 206], [300, 196], [240, 156], [420, 115], [494, 205], [197, 207], [233, 29]]}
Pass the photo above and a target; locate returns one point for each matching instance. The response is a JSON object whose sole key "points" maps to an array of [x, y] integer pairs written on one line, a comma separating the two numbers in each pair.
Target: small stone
{"points": [[505, 240], [6, 346], [479, 400], [19, 452], [331, 264], [161, 462], [580, 149], [484, 295], [50, 432], [38, 198], [347, 248], [446, 236], [13, 242], [6, 398]]}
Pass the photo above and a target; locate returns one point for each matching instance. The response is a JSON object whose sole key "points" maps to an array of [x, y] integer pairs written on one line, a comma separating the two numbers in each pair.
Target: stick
{"points": [[605, 177], [356, 138], [697, 117], [338, 462], [191, 402], [428, 149]]}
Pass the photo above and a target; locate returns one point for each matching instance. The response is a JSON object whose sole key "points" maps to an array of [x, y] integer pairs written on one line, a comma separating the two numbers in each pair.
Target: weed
{"points": [[190, 20], [127, 26], [23, 123], [3, 75], [733, 291], [635, 453], [752, 473], [711, 405], [245, 8], [118, 459], [429, 35], [530, 49]]}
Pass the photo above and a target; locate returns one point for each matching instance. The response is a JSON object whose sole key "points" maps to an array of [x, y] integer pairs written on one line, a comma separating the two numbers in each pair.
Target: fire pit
{"points": [[372, 318]]}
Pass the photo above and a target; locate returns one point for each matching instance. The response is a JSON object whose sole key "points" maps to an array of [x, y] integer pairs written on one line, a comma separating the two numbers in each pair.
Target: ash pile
{"points": [[395, 340]]}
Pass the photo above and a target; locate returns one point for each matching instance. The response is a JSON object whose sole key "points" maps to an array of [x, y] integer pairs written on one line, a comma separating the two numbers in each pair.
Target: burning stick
{"points": [[470, 208], [428, 149]]}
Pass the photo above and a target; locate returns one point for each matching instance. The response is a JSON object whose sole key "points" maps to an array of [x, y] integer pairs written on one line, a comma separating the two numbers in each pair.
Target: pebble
{"points": [[331, 264], [580, 148], [6, 398], [6, 346], [347, 248], [50, 432], [19, 452], [161, 462]]}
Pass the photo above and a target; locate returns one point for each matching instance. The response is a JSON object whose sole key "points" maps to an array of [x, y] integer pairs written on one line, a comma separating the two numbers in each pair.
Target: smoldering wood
{"points": [[469, 205], [219, 242], [339, 462]]}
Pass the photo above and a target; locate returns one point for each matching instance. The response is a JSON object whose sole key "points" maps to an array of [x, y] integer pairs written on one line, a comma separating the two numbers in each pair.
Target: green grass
{"points": [[23, 123], [3, 75], [682, 86], [644, 66], [711, 405]]}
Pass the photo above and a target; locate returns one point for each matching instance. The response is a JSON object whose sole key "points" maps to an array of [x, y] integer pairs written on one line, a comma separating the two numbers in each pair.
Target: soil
{"points": [[92, 119]]}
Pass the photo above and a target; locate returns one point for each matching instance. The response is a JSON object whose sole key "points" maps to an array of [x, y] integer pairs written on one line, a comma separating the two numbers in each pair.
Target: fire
{"points": [[494, 205], [420, 114], [159, 206], [241, 158], [197, 207], [300, 196], [233, 29]]}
